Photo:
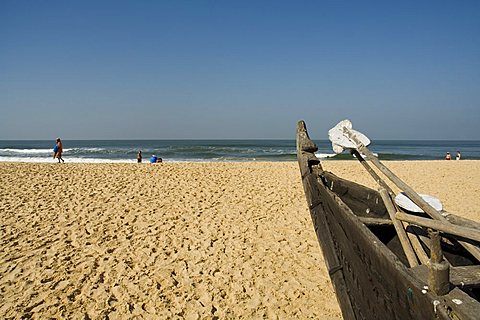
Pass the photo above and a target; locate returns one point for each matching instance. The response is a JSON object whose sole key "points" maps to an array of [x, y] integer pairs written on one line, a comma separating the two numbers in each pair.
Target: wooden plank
{"points": [[363, 201], [460, 221], [417, 246], [464, 277], [468, 233], [402, 236], [462, 306], [375, 221]]}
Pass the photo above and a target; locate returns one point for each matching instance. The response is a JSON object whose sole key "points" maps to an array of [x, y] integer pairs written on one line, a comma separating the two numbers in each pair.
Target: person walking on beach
{"points": [[139, 156], [448, 156], [58, 150], [458, 155]]}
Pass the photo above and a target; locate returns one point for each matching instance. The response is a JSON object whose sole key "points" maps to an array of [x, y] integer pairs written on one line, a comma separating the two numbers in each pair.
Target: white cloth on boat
{"points": [[403, 201], [341, 141]]}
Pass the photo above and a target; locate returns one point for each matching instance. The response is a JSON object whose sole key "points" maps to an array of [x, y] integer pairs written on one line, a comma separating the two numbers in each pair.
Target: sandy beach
{"points": [[180, 240]]}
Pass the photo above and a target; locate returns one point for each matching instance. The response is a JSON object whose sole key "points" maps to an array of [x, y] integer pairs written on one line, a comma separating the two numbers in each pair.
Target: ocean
{"points": [[112, 151]]}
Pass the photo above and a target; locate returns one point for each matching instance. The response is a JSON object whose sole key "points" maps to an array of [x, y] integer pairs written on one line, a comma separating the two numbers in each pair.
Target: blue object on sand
{"points": [[153, 159], [55, 149]]}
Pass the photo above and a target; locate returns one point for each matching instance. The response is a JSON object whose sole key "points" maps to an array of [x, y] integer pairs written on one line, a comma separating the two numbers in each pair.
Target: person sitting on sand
{"points": [[155, 159], [448, 156], [458, 155], [58, 149], [139, 156]]}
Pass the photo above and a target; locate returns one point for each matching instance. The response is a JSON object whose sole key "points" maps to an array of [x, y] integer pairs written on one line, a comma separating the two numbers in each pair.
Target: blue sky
{"points": [[238, 69]]}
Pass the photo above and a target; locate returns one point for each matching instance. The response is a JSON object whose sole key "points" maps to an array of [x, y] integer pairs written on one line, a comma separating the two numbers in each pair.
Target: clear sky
{"points": [[238, 69]]}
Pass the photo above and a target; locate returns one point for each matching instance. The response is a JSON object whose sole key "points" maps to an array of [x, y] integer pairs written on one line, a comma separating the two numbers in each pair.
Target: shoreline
{"points": [[146, 161], [193, 240]]}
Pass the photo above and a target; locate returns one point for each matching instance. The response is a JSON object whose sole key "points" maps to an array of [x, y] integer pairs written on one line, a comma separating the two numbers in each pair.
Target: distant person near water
{"points": [[139, 156], [448, 156], [458, 155], [155, 159], [58, 150]]}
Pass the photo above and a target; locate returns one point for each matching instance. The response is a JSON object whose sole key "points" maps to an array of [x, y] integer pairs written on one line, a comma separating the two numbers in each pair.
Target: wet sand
{"points": [[180, 240]]}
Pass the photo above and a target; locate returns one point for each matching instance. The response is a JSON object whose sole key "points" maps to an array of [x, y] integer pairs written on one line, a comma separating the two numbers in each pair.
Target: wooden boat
{"points": [[370, 272]]}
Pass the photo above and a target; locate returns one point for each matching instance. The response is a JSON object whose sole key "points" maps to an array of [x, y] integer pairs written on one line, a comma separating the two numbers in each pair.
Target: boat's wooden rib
{"points": [[363, 255]]}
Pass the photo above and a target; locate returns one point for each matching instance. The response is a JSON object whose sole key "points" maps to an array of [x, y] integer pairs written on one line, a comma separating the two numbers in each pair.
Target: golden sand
{"points": [[179, 240]]}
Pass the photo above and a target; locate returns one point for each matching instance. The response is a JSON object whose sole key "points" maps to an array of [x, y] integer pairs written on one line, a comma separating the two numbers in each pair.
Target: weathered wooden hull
{"points": [[370, 280]]}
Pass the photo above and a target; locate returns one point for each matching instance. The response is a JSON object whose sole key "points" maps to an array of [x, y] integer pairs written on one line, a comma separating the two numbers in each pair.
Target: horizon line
{"points": [[225, 139]]}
